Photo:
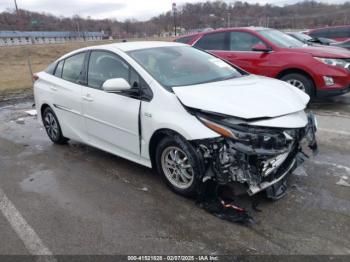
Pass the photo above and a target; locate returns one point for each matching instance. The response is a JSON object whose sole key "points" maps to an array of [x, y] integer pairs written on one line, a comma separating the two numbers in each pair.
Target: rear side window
{"points": [[213, 41], [50, 69], [103, 66], [58, 71], [242, 41], [185, 39], [73, 67]]}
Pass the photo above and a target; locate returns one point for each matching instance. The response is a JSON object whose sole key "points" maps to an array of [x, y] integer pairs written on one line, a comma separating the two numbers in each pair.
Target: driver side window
{"points": [[103, 66], [243, 41]]}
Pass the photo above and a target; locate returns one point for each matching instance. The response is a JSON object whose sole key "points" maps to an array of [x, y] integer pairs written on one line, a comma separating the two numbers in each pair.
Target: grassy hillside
{"points": [[14, 71]]}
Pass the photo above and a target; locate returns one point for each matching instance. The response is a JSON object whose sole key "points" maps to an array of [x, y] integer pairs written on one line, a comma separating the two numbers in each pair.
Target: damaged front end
{"points": [[259, 158]]}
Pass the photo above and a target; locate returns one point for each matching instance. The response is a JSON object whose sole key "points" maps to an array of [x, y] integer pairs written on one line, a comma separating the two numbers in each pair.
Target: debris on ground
{"points": [[211, 199], [20, 121], [31, 112], [144, 189], [343, 181]]}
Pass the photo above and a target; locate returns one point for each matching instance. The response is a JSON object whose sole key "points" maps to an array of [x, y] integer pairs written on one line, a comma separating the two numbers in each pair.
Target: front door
{"points": [[111, 119], [240, 46]]}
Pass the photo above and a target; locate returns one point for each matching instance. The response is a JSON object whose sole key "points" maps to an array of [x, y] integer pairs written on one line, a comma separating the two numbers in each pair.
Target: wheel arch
{"points": [[156, 137], [43, 107], [287, 71]]}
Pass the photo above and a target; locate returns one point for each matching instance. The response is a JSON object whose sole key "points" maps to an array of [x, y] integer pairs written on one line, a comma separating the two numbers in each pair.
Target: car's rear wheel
{"points": [[301, 82], [179, 165], [52, 127]]}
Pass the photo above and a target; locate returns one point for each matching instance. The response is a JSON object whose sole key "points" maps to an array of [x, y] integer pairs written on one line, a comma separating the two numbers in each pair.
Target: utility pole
{"points": [[174, 14], [19, 23], [19, 27], [16, 6]]}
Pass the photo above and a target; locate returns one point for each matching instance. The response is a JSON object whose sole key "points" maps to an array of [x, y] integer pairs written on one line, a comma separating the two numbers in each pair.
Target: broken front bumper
{"points": [[261, 166], [276, 192]]}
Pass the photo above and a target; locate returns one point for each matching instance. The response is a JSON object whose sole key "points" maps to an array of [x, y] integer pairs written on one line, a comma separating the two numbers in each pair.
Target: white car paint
{"points": [[245, 97], [110, 121]]}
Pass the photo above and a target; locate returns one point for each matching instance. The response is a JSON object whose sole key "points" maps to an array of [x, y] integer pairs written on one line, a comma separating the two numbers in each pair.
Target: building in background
{"points": [[42, 37]]}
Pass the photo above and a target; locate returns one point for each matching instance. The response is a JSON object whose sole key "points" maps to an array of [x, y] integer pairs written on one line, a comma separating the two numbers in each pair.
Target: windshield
{"points": [[281, 39], [183, 65]]}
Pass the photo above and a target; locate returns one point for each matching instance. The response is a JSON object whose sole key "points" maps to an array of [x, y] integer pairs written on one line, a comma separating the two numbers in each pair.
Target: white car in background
{"points": [[188, 114]]}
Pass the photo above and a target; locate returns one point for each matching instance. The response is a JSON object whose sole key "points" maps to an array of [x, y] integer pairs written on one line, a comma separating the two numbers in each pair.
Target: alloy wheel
{"points": [[176, 167], [51, 126], [297, 84]]}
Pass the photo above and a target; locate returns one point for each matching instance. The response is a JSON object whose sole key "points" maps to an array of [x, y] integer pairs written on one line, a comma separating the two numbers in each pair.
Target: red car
{"points": [[338, 33], [319, 71]]}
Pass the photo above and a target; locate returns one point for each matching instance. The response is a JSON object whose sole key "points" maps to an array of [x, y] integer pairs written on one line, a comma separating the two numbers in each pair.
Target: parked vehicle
{"points": [[308, 40], [338, 33], [319, 71], [324, 41], [345, 44], [147, 102]]}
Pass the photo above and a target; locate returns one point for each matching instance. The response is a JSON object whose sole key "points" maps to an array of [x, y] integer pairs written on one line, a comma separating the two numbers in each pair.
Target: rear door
{"points": [[111, 119], [66, 91]]}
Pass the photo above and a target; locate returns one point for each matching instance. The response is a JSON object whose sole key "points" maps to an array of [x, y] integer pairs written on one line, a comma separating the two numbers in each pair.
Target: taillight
{"points": [[35, 77]]}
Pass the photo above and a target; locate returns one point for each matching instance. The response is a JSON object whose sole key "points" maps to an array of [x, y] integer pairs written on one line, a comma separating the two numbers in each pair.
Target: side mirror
{"points": [[116, 85], [261, 48]]}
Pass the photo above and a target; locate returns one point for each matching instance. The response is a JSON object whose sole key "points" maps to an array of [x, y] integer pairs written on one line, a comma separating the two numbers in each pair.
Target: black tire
{"points": [[306, 81], [193, 160], [52, 127]]}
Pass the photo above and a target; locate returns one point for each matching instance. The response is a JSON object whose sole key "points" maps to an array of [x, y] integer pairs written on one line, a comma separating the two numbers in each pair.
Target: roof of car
{"points": [[129, 46], [226, 29], [252, 28], [125, 46]]}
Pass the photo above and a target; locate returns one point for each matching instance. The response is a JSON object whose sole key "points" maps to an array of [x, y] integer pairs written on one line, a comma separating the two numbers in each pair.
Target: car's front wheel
{"points": [[52, 126], [301, 82], [179, 165]]}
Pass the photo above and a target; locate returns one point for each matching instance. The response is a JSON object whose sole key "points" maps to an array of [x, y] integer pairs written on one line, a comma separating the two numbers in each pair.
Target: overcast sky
{"points": [[119, 9]]}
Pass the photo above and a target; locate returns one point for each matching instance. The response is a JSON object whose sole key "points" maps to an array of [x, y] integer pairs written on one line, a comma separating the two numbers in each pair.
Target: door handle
{"points": [[53, 88], [88, 98]]}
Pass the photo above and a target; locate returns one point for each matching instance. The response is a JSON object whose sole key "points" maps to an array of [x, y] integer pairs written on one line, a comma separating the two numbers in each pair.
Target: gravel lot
{"points": [[75, 199]]}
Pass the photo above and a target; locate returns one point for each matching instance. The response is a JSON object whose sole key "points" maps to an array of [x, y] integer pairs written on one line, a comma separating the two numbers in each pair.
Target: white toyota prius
{"points": [[188, 114]]}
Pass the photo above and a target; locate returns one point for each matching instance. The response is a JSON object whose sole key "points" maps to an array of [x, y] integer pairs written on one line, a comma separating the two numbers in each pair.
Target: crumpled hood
{"points": [[323, 51], [244, 97]]}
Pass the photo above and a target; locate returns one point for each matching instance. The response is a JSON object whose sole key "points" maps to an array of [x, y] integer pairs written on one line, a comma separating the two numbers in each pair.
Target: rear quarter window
{"points": [[213, 41], [51, 68], [58, 71]]}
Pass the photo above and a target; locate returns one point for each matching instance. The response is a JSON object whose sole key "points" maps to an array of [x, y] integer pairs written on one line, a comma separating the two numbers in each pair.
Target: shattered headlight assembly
{"points": [[246, 135], [255, 139], [333, 62], [223, 130]]}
